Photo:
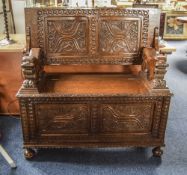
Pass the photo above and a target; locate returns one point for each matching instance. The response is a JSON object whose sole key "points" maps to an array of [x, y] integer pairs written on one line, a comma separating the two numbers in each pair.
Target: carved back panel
{"points": [[90, 36]]}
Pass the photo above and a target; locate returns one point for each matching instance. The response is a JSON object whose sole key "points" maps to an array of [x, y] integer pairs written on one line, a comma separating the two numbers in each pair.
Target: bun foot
{"points": [[29, 153], [157, 151]]}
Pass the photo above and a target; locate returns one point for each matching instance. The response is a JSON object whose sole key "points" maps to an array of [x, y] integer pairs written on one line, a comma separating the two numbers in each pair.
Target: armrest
{"points": [[156, 64], [31, 68], [160, 71], [149, 61]]}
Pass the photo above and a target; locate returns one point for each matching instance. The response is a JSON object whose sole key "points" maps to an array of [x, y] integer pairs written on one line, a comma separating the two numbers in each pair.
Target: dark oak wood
{"points": [[93, 78]]}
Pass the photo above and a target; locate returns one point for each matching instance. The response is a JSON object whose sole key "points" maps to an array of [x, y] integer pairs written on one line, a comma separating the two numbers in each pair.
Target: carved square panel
{"points": [[128, 118], [66, 36], [119, 35], [62, 119]]}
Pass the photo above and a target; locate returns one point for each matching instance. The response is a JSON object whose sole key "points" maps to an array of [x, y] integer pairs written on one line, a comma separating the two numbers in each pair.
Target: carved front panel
{"points": [[126, 117], [62, 118], [66, 36], [119, 36]]}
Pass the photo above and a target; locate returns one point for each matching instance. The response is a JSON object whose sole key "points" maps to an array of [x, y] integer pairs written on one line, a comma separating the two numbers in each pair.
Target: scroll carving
{"points": [[67, 36], [126, 118], [83, 37], [119, 36], [94, 119]]}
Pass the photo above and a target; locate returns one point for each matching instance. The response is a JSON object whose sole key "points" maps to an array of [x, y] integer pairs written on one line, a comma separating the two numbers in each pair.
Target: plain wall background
{"points": [[18, 10]]}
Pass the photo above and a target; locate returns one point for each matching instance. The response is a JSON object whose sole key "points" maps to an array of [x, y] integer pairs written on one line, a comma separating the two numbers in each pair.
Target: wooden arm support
{"points": [[160, 71], [156, 65], [149, 61], [31, 68]]}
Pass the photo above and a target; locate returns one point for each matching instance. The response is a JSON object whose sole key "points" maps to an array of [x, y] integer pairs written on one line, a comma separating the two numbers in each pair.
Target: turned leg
{"points": [[29, 153], [157, 151]]}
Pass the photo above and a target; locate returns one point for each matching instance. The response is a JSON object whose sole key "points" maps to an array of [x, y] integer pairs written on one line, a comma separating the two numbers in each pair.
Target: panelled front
{"points": [[87, 120]]}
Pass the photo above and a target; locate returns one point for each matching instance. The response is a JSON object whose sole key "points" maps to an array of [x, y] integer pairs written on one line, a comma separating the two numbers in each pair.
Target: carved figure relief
{"points": [[119, 36], [64, 118], [67, 35], [126, 117]]}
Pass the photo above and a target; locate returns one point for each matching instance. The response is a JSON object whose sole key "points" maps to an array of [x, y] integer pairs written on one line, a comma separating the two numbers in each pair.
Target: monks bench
{"points": [[93, 78]]}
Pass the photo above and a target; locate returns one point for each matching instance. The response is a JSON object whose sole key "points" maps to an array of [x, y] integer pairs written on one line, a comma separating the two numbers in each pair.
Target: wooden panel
{"points": [[10, 81], [62, 119], [128, 69], [89, 33], [105, 84], [128, 118], [67, 36], [119, 36]]}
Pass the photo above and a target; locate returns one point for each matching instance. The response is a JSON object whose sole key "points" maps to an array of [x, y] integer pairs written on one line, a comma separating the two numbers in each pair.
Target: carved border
{"points": [[53, 99], [164, 117], [93, 35], [92, 14], [92, 60], [31, 118], [94, 118], [52, 96], [156, 118], [24, 119]]}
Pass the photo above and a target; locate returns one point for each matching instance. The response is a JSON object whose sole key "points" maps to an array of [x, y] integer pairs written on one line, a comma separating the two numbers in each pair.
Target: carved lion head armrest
{"points": [[31, 69]]}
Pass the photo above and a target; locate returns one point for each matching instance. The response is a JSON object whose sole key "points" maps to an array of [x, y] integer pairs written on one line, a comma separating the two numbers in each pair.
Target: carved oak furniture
{"points": [[93, 78]]}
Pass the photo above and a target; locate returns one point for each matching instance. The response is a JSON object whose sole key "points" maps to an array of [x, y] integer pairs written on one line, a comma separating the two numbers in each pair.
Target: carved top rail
{"points": [[90, 36]]}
